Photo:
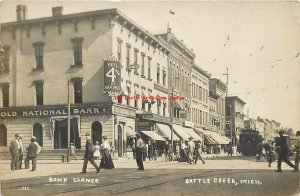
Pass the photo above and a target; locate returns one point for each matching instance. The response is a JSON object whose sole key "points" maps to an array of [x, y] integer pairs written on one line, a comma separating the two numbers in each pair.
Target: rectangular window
{"points": [[120, 49], [158, 103], [149, 107], [136, 51], [39, 92], [143, 65], [5, 95], [77, 50], [39, 55], [164, 77], [228, 110], [149, 67], [136, 101], [164, 109], [77, 91], [4, 65], [129, 94], [158, 73], [128, 46], [144, 105]]}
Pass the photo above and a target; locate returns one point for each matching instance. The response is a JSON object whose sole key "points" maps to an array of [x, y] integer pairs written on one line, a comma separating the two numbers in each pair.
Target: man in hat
{"points": [[198, 146], [15, 149], [283, 152], [140, 145], [32, 151], [191, 148], [89, 155]]}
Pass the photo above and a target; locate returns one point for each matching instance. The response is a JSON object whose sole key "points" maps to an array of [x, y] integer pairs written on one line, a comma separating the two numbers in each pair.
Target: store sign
{"points": [[47, 111], [112, 76]]}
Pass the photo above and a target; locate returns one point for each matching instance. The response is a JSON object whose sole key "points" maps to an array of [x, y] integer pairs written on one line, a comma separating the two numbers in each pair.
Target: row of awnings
{"points": [[164, 132]]}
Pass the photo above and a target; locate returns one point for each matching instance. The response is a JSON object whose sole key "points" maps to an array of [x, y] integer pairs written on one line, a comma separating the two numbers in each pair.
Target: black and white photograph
{"points": [[120, 97]]}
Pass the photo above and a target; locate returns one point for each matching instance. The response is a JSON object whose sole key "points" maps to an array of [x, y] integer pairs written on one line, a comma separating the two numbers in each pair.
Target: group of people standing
{"points": [[189, 151], [17, 151], [89, 156]]}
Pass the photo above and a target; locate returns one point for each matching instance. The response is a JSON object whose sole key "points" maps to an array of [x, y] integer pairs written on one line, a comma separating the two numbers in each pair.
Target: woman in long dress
{"points": [[97, 151], [106, 160]]}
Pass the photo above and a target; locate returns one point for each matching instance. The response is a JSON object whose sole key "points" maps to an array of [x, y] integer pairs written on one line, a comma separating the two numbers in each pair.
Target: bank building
{"points": [[54, 70]]}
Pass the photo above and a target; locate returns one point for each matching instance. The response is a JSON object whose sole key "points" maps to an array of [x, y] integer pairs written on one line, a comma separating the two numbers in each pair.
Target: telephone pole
{"points": [[227, 74]]}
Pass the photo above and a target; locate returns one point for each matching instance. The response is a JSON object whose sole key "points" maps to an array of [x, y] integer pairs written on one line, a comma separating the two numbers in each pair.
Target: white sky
{"points": [[264, 40]]}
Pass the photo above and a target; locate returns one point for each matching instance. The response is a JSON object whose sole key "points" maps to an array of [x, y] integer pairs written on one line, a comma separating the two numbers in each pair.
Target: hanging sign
{"points": [[112, 76]]}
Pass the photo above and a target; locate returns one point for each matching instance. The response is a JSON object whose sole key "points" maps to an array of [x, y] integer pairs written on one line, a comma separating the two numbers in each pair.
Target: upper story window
{"points": [[143, 64], [4, 65], [39, 55], [39, 92], [5, 94], [77, 84], [228, 110], [120, 41], [128, 47], [149, 67], [164, 77], [136, 51], [158, 73], [77, 50]]}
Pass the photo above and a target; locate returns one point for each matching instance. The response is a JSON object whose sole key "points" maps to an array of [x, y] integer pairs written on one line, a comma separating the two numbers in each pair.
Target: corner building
{"points": [[59, 58]]}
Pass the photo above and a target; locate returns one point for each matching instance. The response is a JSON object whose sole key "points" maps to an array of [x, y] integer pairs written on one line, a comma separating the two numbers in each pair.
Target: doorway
{"points": [[61, 134]]}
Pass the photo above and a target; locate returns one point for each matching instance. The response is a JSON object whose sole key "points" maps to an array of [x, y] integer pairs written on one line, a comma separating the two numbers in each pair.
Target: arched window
{"points": [[38, 133], [3, 135], [97, 132]]}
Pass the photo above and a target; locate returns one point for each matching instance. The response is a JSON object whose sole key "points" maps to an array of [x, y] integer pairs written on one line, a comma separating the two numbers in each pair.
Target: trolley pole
{"points": [[227, 74], [172, 109]]}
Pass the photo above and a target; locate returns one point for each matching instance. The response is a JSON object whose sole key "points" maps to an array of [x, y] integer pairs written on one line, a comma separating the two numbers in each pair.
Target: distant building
{"points": [[234, 117], [268, 130], [250, 123], [260, 126], [217, 92], [200, 104]]}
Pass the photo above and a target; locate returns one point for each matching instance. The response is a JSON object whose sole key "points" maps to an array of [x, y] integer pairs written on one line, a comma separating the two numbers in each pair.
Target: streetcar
{"points": [[249, 141]]}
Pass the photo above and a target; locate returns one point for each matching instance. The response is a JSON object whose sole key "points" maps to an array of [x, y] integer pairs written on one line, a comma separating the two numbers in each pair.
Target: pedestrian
{"points": [[15, 149], [32, 152], [270, 152], [198, 147], [177, 149], [139, 152], [73, 151], [97, 151], [89, 155], [106, 160], [283, 152], [21, 151], [191, 148], [230, 149]]}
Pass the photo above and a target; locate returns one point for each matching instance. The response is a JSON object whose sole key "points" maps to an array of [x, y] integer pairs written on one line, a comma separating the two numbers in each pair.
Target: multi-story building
{"points": [[275, 126], [60, 59], [217, 92], [234, 117], [260, 126], [268, 130], [250, 123], [199, 98]]}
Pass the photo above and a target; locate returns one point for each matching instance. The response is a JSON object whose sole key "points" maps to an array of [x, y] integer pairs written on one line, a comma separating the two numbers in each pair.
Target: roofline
{"points": [[196, 67], [236, 97], [114, 13]]}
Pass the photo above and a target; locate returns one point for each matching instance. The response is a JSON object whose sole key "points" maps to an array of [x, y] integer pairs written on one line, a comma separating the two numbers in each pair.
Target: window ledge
{"points": [[136, 73], [38, 69], [77, 66]]}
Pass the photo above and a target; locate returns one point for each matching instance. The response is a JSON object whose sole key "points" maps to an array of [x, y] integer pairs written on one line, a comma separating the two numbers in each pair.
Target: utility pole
{"points": [[227, 74], [69, 123]]}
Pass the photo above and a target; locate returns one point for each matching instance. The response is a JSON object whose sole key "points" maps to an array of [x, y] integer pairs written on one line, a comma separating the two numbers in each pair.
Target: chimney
{"points": [[57, 11], [24, 7], [21, 12]]}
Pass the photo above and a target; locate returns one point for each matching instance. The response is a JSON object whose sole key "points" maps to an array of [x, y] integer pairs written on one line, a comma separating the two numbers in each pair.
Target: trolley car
{"points": [[249, 141]]}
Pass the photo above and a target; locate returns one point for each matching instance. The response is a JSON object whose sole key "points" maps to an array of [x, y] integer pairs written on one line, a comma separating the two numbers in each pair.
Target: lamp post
{"points": [[69, 123]]}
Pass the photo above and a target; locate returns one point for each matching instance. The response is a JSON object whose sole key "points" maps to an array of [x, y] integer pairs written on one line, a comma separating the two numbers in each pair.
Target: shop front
{"points": [[49, 124]]}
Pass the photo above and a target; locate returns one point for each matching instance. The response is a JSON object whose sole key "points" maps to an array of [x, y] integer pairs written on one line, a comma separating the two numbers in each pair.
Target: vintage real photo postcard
{"points": [[149, 97]]}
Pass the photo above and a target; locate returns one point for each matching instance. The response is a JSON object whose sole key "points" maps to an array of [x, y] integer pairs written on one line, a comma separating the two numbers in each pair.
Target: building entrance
{"points": [[61, 134]]}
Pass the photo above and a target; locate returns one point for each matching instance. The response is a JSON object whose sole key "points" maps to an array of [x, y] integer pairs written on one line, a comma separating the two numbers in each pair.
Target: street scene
{"points": [[149, 97], [219, 176]]}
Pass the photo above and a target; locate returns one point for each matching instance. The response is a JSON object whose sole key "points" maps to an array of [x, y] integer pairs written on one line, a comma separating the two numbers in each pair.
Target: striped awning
{"points": [[215, 138], [153, 135], [166, 131]]}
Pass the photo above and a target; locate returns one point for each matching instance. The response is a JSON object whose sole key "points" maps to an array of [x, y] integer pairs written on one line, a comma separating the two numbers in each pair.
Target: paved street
{"points": [[219, 176]]}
